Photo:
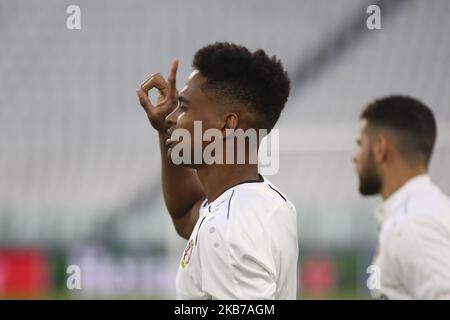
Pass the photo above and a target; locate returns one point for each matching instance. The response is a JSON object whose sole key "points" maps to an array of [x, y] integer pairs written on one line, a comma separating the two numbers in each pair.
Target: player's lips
{"points": [[170, 142]]}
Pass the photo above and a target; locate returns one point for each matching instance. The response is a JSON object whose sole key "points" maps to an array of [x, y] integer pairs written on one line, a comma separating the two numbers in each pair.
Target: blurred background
{"points": [[79, 162]]}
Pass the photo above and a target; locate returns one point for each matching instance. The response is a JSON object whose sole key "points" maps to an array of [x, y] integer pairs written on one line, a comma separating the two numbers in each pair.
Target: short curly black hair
{"points": [[251, 78]]}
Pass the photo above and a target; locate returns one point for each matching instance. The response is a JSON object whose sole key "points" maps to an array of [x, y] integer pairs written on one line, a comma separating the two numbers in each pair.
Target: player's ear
{"points": [[381, 148], [230, 123]]}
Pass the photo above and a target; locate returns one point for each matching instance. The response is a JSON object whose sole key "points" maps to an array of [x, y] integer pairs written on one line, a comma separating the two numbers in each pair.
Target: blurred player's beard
{"points": [[369, 181]]}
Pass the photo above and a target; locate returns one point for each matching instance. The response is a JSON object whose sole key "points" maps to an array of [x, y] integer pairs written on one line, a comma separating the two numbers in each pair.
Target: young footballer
{"points": [[241, 229]]}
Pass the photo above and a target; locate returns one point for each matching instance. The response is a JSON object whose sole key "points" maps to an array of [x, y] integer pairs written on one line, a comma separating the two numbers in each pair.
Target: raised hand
{"points": [[167, 99]]}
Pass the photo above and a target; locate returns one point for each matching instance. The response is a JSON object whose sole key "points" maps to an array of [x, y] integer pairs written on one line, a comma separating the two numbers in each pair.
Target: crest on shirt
{"points": [[187, 254]]}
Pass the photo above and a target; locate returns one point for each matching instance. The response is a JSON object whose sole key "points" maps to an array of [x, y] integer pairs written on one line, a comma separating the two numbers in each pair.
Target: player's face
{"points": [[369, 180], [194, 105]]}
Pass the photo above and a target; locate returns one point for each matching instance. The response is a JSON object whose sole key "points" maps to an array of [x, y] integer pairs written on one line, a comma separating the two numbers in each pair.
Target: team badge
{"points": [[187, 254]]}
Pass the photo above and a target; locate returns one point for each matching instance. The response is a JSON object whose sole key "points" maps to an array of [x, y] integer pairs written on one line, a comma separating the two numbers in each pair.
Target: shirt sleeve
{"points": [[423, 259]]}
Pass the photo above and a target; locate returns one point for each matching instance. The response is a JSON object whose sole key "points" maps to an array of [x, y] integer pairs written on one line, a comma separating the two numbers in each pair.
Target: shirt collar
{"points": [[224, 196], [399, 196]]}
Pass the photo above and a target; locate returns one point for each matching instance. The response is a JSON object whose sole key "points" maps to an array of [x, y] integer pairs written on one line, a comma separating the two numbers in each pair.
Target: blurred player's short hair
{"points": [[251, 79], [411, 122]]}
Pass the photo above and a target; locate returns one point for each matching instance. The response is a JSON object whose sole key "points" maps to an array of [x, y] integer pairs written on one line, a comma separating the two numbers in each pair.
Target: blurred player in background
{"points": [[241, 230], [396, 140]]}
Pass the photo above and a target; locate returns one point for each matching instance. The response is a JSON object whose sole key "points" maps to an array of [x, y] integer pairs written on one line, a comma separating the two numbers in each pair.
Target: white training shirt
{"points": [[243, 246], [414, 243]]}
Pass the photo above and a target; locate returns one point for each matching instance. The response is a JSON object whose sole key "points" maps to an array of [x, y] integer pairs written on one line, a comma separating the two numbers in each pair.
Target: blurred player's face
{"points": [[369, 180], [194, 105]]}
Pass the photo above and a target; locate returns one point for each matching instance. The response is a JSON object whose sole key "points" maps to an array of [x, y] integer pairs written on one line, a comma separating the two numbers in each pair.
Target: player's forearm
{"points": [[181, 186]]}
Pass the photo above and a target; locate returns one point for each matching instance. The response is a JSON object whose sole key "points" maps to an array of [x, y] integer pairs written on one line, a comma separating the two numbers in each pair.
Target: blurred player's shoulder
{"points": [[420, 199], [430, 214], [428, 204], [424, 214], [428, 197]]}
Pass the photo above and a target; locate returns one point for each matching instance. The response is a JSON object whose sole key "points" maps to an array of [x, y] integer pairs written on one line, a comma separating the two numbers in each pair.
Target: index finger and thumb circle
{"points": [[155, 80]]}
